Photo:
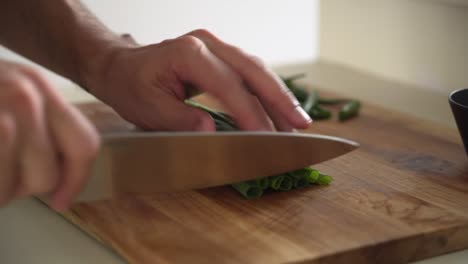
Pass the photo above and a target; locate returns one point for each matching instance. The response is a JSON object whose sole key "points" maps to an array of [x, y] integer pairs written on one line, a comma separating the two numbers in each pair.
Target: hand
{"points": [[147, 85], [47, 146]]}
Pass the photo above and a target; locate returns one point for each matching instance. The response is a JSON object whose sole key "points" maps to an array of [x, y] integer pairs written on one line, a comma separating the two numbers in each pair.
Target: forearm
{"points": [[61, 35]]}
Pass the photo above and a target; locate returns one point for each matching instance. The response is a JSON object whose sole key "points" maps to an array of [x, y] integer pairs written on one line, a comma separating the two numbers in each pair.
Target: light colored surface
{"points": [[285, 32], [419, 42], [31, 233], [450, 2]]}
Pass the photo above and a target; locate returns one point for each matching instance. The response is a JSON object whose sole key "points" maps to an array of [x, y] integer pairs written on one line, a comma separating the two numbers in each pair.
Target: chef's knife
{"points": [[150, 162]]}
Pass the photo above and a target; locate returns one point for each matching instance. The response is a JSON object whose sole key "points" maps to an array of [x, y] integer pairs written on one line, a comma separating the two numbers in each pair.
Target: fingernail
{"points": [[304, 117]]}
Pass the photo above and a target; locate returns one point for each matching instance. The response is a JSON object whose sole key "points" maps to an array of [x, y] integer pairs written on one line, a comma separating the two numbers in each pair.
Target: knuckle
{"points": [[203, 33], [190, 44], [22, 95], [28, 71], [257, 62]]}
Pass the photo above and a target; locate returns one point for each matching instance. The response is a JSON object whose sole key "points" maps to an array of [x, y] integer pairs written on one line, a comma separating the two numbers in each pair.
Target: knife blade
{"points": [[151, 162]]}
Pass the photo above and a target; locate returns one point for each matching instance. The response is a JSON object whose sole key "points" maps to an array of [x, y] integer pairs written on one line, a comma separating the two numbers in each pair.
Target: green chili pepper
{"points": [[324, 179], [249, 189], [349, 110], [319, 113]]}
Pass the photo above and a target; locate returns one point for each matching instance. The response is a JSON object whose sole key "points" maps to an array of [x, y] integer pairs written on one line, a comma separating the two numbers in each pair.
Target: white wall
{"points": [[275, 30], [419, 42]]}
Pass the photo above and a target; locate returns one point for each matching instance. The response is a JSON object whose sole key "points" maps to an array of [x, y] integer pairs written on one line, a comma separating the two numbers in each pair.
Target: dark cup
{"points": [[459, 103]]}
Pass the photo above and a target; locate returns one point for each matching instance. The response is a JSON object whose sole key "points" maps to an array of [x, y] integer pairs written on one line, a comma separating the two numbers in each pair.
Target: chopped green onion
{"points": [[275, 181], [349, 110], [319, 113], [300, 177], [324, 179], [286, 183], [249, 189], [264, 183], [313, 176]]}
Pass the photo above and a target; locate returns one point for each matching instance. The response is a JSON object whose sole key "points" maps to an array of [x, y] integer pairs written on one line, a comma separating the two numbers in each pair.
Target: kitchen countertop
{"points": [[32, 233]]}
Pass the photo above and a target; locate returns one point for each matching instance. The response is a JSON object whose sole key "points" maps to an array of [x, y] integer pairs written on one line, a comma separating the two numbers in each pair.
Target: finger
{"points": [[76, 140], [78, 143], [201, 68], [7, 158], [281, 123], [38, 171], [262, 81]]}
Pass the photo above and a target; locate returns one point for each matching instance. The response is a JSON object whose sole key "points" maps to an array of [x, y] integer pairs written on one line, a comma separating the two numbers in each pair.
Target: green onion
{"points": [[293, 77], [310, 101], [319, 113], [313, 176], [300, 93], [275, 181], [324, 101], [249, 189], [264, 183], [223, 126], [349, 110], [300, 177], [286, 183], [324, 179], [213, 113]]}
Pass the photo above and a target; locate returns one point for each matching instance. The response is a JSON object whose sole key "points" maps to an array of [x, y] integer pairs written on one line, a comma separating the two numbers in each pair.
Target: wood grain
{"points": [[403, 196]]}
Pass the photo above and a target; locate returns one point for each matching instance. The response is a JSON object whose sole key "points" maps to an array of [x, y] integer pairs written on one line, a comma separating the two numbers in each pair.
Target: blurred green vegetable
{"points": [[249, 189], [324, 179], [312, 102], [319, 113], [349, 110]]}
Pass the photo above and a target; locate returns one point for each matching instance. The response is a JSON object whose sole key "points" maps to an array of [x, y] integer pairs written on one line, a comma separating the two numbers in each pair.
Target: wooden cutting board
{"points": [[403, 196]]}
